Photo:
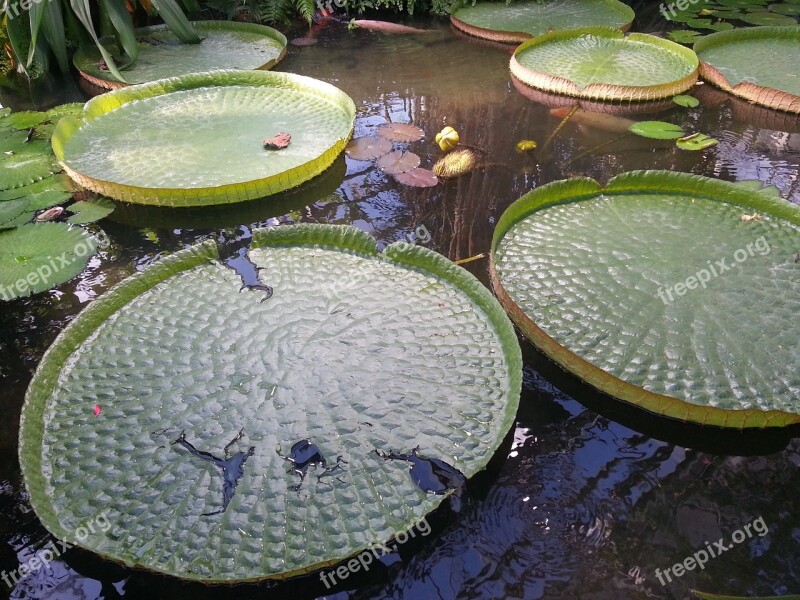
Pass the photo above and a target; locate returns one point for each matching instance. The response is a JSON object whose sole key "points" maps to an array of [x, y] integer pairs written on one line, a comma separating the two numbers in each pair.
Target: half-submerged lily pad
{"points": [[368, 148], [400, 132], [602, 63], [199, 139], [341, 346], [225, 45], [418, 178], [758, 64], [519, 21], [37, 257], [397, 162], [657, 291]]}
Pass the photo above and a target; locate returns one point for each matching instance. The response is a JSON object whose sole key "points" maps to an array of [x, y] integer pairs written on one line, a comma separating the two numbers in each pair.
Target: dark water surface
{"points": [[580, 505]]}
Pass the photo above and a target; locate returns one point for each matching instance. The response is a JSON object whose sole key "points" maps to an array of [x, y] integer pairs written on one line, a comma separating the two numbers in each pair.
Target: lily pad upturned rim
{"points": [[516, 37], [651, 181], [110, 83], [343, 238], [200, 196], [759, 94], [605, 91]]}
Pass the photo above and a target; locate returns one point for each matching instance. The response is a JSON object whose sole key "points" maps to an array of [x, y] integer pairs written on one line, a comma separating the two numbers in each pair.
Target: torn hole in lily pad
{"points": [[306, 455], [432, 475]]}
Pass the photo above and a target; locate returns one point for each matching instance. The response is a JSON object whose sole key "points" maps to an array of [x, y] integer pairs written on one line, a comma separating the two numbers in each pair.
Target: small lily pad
{"points": [[684, 36], [696, 141], [657, 130], [687, 101], [397, 162], [90, 211], [418, 178], [767, 18], [368, 148], [400, 132]]}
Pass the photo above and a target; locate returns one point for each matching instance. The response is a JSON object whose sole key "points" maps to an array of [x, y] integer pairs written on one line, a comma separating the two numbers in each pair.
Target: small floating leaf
{"points": [[418, 178], [696, 141], [400, 132], [684, 36], [526, 146], [281, 140], [684, 100], [707, 596], [657, 130], [398, 162], [767, 18], [368, 148], [90, 211]]}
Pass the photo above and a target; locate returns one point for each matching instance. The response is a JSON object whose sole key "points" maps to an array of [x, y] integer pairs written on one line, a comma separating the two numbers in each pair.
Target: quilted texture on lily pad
{"points": [[354, 349], [673, 292]]}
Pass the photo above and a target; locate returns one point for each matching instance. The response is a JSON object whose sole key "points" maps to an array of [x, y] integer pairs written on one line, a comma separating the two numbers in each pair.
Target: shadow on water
{"points": [[577, 503]]}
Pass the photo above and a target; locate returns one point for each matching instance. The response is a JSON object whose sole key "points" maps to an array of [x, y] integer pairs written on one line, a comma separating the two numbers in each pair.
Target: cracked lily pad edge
{"points": [[638, 182], [205, 196], [343, 238], [752, 92], [540, 80]]}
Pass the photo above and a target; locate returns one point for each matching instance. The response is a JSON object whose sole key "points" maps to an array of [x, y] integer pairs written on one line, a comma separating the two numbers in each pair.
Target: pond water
{"points": [[580, 504]]}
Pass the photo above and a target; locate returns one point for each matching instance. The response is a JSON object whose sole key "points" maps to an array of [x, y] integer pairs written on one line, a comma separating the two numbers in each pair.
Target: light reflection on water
{"points": [[584, 507]]}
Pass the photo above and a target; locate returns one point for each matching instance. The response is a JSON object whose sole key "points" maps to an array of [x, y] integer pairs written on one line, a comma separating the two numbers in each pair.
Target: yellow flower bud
{"points": [[447, 139]]}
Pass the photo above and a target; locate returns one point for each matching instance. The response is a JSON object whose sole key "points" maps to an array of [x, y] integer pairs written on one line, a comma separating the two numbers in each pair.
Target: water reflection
{"points": [[584, 507]]}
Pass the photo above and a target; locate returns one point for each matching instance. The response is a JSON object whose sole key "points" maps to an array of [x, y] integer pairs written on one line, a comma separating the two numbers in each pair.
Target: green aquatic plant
{"points": [[757, 64], [677, 324], [341, 350], [35, 256], [601, 63], [222, 162], [520, 20]]}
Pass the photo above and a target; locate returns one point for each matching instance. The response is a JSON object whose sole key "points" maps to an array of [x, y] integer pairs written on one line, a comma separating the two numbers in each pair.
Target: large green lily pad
{"points": [[225, 45], [518, 21], [199, 139], [355, 350], [758, 64], [623, 286], [601, 63]]}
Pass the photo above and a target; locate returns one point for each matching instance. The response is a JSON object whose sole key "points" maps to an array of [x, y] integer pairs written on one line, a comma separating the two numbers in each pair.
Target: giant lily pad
{"points": [[758, 64], [199, 139], [601, 63], [225, 45], [37, 257], [352, 349], [518, 21], [673, 292]]}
